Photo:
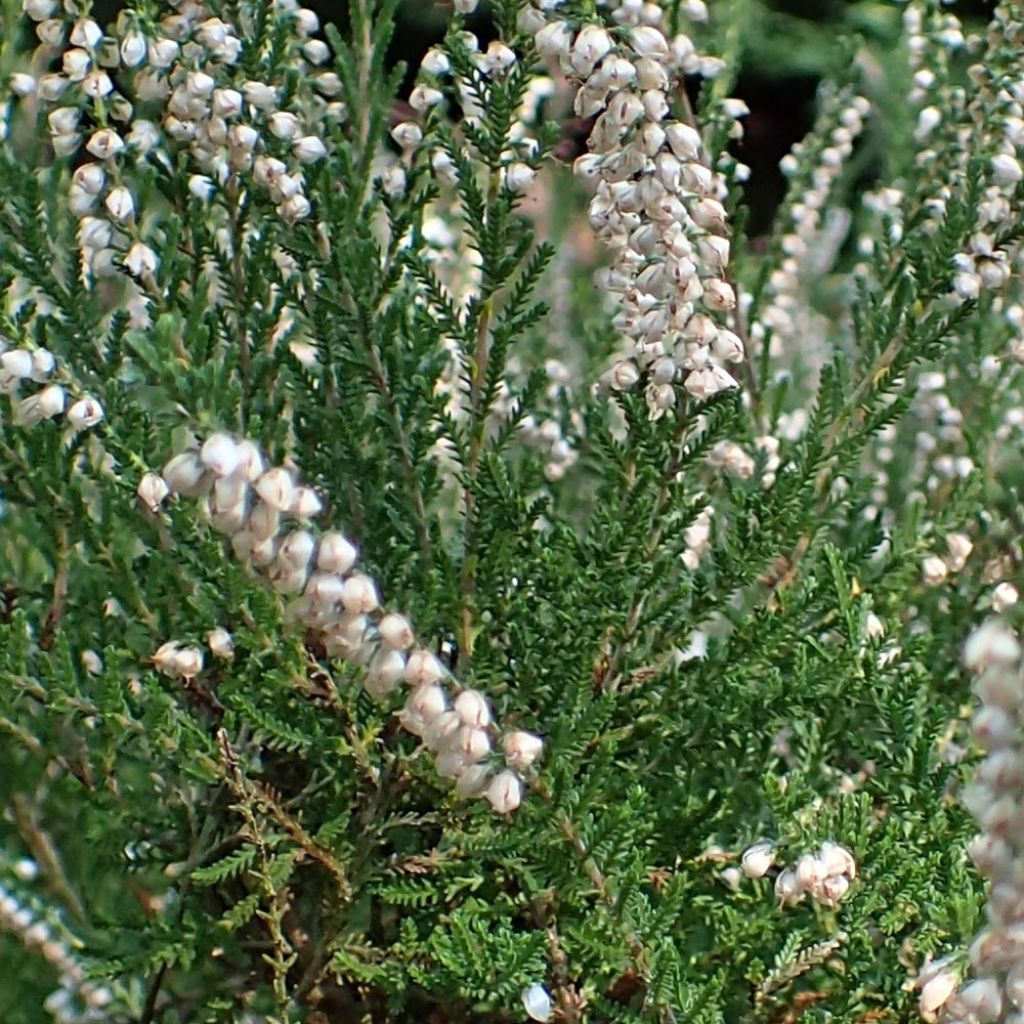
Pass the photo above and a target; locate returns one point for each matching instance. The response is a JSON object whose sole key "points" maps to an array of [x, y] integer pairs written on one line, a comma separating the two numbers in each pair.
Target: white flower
{"points": [[395, 630], [220, 454], [473, 709], [519, 177], [133, 49], [554, 39], [1006, 170], [424, 96], [276, 488], [140, 259], [1004, 597], [359, 594], [309, 149], [186, 474], [152, 490], [407, 134], [521, 748], [336, 553], [505, 792], [104, 144], [120, 205], [221, 643], [537, 1003], [757, 859], [422, 668], [938, 983], [22, 84], [86, 412], [934, 570], [284, 125], [435, 62]]}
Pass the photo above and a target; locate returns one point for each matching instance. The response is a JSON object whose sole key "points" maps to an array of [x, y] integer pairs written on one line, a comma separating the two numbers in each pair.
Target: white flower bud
{"points": [[85, 32], [837, 860], [221, 643], [162, 52], [307, 503], [427, 702], [220, 454], [336, 553], [276, 488], [260, 95], [295, 208], [505, 792], [63, 120], [188, 662], [133, 49], [934, 570], [537, 1003], [757, 859], [16, 363], [384, 673], [435, 62], [1004, 597], [519, 177], [39, 10], [407, 134], [284, 125], [993, 729], [185, 474], [264, 522], [422, 668], [152, 490], [22, 84], [97, 84], [309, 149], [521, 748], [1006, 170], [473, 780], [359, 594], [140, 259], [554, 39], [85, 413], [104, 144], [648, 41], [440, 730], [396, 631], [51, 32], [120, 205], [625, 375], [297, 550], [982, 999], [592, 43], [423, 97], [960, 548], [991, 644], [473, 709], [472, 744], [788, 889], [51, 87], [936, 988]]}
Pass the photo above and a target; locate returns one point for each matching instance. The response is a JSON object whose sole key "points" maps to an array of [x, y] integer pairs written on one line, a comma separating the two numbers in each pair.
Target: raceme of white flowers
{"points": [[657, 203], [22, 369], [262, 509], [995, 990]]}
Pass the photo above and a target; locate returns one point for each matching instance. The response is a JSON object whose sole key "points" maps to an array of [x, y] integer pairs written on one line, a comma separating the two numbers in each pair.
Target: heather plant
{"points": [[452, 570]]}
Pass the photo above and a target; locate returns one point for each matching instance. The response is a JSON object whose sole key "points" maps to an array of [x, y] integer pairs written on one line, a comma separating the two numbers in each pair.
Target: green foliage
{"points": [[262, 840]]}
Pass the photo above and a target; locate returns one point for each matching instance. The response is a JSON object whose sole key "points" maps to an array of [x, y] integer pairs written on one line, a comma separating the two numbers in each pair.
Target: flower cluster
{"points": [[252, 503], [75, 1000], [21, 367], [657, 203], [813, 236], [184, 75], [996, 956], [824, 876]]}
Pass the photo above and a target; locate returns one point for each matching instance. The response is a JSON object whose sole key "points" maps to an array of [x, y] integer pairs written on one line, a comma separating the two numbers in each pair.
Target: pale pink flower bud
{"points": [[473, 709], [757, 859], [505, 792], [152, 490], [276, 488], [336, 553], [85, 413], [422, 668], [221, 643], [359, 594], [396, 631], [521, 748]]}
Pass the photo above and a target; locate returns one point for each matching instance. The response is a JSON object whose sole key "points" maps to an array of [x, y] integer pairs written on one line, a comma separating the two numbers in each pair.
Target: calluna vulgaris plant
{"points": [[440, 584]]}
